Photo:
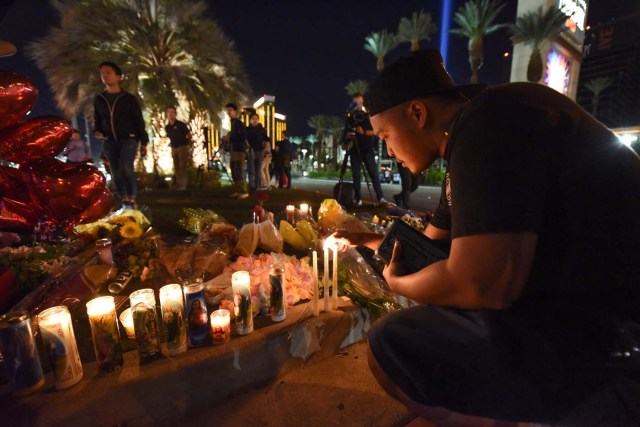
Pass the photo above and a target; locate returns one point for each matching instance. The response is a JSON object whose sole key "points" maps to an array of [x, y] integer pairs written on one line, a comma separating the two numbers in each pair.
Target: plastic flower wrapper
{"points": [[332, 217], [359, 281], [197, 220], [197, 259]]}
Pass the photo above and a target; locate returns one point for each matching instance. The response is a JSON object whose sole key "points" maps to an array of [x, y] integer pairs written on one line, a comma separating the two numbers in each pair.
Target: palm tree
{"points": [[380, 44], [534, 28], [356, 86], [596, 86], [170, 51], [318, 122], [475, 19], [335, 127], [419, 27]]}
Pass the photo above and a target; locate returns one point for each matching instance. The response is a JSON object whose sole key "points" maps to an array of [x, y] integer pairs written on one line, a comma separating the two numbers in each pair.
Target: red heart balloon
{"points": [[17, 211], [35, 138], [63, 190], [17, 96], [99, 209]]}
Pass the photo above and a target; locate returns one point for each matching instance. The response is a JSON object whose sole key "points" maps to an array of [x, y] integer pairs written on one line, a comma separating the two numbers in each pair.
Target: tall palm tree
{"points": [[535, 28], [475, 20], [356, 86], [335, 126], [596, 86], [380, 44], [170, 51], [318, 123], [419, 27]]}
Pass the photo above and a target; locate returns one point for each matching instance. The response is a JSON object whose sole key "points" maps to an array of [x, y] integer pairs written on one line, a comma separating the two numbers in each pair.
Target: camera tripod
{"points": [[363, 169]]}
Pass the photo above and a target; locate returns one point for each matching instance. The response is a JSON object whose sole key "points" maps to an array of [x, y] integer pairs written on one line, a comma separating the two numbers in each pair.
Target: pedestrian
{"points": [[362, 154], [285, 151], [408, 184], [266, 163], [534, 315], [238, 139], [119, 124], [77, 150], [180, 137], [256, 135]]}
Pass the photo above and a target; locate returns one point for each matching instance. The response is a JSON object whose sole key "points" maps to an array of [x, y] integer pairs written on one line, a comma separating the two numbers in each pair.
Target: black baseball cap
{"points": [[419, 75]]}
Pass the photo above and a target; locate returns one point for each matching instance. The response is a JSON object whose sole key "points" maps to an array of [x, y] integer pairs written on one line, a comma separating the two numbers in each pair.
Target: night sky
{"points": [[302, 51]]}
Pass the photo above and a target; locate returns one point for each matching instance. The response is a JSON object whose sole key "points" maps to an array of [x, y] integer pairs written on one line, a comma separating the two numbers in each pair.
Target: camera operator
{"points": [[360, 149]]}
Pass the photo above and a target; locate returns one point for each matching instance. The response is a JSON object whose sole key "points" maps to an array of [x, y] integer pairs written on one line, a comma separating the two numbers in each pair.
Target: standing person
{"points": [[266, 163], [238, 139], [285, 150], [534, 316], [180, 137], [118, 122], [276, 161], [408, 184], [256, 135], [77, 151], [361, 153]]}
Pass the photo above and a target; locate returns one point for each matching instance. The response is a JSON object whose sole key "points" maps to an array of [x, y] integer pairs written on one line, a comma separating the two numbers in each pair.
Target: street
{"points": [[423, 199]]}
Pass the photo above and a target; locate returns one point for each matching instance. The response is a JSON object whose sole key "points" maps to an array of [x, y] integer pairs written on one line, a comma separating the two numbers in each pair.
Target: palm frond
{"points": [[534, 28], [418, 28]]}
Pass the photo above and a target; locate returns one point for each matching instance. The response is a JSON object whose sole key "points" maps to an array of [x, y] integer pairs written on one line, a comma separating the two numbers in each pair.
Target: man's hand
{"points": [[360, 130], [395, 268], [143, 151], [352, 238], [99, 135]]}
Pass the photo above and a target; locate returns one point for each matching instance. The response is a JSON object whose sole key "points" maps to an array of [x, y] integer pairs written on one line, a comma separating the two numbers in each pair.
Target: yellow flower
{"points": [[120, 220], [130, 230]]}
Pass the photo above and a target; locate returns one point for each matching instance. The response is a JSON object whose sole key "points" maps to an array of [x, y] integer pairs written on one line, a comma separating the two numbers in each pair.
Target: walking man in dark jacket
{"points": [[119, 124], [256, 136], [180, 136]]}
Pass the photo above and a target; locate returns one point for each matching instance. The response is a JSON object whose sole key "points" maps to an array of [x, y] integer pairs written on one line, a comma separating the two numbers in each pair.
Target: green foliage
{"points": [[169, 50], [534, 28], [356, 86], [418, 28], [331, 174], [31, 266], [434, 176], [380, 44]]}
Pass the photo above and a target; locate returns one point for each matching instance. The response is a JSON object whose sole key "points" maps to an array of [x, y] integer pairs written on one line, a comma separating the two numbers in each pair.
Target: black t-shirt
{"points": [[365, 142], [524, 158], [255, 137], [238, 136], [177, 133]]}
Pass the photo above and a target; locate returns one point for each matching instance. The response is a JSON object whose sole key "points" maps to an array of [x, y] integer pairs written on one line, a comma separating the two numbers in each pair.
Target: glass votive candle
{"points": [[241, 288], [145, 323], [220, 326], [291, 213], [127, 322], [197, 315], [104, 331], [173, 318], [105, 253], [61, 346], [304, 210]]}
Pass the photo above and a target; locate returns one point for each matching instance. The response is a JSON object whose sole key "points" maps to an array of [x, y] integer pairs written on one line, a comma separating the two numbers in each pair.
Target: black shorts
{"points": [[545, 364]]}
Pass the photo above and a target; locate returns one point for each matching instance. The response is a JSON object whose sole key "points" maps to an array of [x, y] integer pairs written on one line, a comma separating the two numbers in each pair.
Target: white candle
{"points": [[304, 210], [173, 318], [104, 331], [291, 213], [221, 326], [127, 321], [334, 296], [60, 346], [316, 308], [241, 287], [326, 278], [143, 295]]}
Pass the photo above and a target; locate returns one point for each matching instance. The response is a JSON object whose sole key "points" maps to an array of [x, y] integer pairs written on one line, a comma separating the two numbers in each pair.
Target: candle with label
{"points": [[334, 286], [221, 326], [278, 300], [127, 322], [145, 324], [241, 288], [304, 210], [104, 331], [291, 213], [173, 319], [197, 315]]}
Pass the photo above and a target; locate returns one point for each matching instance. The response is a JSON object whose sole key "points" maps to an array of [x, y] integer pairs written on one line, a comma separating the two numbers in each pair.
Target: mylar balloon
{"points": [[99, 209], [17, 96], [63, 190], [17, 211], [35, 138]]}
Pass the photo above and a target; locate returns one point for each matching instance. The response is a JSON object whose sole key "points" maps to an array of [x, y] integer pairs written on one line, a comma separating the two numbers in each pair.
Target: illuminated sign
{"points": [[576, 10], [558, 72]]}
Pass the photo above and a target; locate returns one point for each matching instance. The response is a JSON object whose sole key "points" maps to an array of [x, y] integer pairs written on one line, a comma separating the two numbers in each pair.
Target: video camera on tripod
{"points": [[353, 119]]}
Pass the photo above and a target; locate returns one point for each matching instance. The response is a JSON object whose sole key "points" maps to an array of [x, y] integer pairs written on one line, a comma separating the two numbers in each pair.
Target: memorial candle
{"points": [[241, 288], [304, 210], [60, 345], [326, 277], [221, 326], [291, 213], [104, 331], [127, 321], [334, 286], [145, 324], [173, 318], [316, 308]]}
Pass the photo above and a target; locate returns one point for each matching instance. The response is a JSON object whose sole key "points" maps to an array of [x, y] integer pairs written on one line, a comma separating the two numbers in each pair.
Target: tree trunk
{"points": [[594, 102], [534, 69], [476, 54], [380, 63], [415, 45]]}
